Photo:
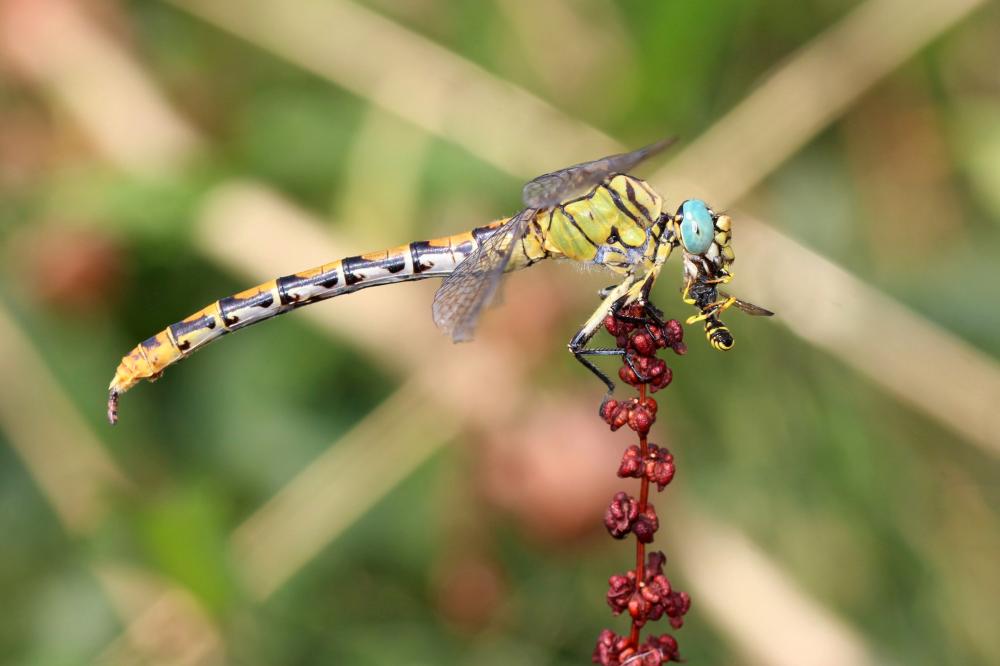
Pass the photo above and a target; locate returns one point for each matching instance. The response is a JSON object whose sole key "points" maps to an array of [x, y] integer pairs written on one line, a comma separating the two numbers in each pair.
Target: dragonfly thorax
{"points": [[610, 225]]}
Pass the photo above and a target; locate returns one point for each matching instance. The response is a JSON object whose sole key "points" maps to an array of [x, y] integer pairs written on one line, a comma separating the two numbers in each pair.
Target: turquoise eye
{"points": [[697, 226]]}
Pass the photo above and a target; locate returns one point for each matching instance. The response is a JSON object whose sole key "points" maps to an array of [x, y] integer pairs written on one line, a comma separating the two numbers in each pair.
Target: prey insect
{"points": [[701, 289], [593, 212]]}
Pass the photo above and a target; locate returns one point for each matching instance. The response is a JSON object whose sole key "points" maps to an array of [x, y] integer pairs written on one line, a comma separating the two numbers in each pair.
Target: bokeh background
{"points": [[344, 486]]}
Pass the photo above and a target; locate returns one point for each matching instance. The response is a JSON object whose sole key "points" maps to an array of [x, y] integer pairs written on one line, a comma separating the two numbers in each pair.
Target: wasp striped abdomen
{"points": [[718, 334]]}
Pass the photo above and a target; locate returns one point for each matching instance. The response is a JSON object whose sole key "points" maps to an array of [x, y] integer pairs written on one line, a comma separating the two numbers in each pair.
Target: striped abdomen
{"points": [[416, 261], [718, 334]]}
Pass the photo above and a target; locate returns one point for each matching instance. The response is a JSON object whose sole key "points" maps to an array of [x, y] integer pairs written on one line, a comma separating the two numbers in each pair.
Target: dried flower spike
{"points": [[644, 592]]}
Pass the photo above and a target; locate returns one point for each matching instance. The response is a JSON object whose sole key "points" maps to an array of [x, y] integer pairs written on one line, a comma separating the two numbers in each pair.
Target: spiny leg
{"points": [[581, 356], [614, 299], [652, 316], [578, 344], [631, 366]]}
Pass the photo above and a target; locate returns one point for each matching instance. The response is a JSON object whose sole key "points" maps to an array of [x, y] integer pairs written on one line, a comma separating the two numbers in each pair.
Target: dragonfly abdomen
{"points": [[415, 261]]}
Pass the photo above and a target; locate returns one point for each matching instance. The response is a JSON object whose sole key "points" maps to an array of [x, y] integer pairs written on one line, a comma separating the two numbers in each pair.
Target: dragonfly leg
{"points": [[645, 322], [582, 354], [628, 291], [654, 313], [578, 345], [652, 316], [631, 366]]}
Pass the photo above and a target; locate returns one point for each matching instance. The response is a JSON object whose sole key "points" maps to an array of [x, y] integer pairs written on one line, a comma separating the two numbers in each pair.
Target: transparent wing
{"points": [[551, 188], [473, 284], [748, 308]]}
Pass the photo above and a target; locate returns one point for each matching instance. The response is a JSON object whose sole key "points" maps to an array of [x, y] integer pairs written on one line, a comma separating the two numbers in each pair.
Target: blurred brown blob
{"points": [[68, 269], [469, 590], [556, 470], [899, 154], [26, 147]]}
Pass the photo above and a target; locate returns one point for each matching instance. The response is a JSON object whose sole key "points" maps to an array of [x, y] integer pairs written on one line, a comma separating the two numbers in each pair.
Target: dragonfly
{"points": [[593, 212]]}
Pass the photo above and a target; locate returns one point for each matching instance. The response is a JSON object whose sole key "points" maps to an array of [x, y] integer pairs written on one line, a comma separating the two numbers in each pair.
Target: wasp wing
{"points": [[473, 284], [551, 188], [748, 308]]}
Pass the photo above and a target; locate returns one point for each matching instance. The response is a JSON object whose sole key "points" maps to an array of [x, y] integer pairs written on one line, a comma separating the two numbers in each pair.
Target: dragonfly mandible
{"points": [[593, 212]]}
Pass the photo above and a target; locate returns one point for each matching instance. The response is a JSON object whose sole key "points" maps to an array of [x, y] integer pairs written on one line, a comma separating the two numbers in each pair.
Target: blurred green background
{"points": [[828, 508]]}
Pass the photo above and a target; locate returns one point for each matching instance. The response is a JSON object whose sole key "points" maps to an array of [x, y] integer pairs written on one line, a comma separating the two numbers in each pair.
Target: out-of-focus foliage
{"points": [[874, 509]]}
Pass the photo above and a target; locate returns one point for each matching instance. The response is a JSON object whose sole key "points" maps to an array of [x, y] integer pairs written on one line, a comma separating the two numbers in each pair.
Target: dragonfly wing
{"points": [[551, 188], [474, 282]]}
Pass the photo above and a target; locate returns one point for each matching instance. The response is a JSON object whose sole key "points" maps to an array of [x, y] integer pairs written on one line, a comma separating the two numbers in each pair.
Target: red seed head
{"points": [[632, 464], [620, 590], [643, 343], [665, 647], [644, 530], [626, 374], [663, 379], [654, 564], [612, 325], [612, 649], [674, 331], [658, 466], [641, 420], [621, 514]]}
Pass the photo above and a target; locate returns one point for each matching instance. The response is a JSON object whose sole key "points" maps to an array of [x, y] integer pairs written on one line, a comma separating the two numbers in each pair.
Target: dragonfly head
{"points": [[704, 233]]}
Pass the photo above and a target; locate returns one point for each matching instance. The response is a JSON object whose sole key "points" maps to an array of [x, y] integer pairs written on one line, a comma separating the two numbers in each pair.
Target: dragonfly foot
{"points": [[639, 377], [604, 404]]}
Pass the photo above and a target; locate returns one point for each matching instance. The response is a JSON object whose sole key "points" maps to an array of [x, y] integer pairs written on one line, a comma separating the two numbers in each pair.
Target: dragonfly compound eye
{"points": [[697, 226]]}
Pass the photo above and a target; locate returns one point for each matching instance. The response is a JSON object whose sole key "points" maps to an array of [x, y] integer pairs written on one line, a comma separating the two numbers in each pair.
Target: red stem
{"points": [[640, 548]]}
